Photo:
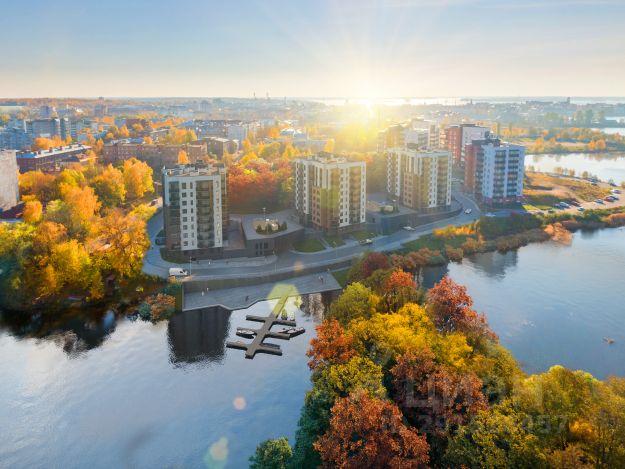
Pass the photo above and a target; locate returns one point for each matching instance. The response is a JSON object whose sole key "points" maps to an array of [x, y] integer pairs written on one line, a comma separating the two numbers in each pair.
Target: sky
{"points": [[312, 48]]}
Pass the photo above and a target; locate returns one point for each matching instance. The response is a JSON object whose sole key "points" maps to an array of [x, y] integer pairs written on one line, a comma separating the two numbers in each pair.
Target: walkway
{"points": [[244, 297]]}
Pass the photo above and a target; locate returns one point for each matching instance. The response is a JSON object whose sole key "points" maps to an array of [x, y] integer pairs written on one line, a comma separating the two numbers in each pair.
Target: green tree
{"points": [[272, 454], [356, 301], [495, 439]]}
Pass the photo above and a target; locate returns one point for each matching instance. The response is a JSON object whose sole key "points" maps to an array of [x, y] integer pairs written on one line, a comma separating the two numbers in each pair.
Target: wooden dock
{"points": [[257, 345]]}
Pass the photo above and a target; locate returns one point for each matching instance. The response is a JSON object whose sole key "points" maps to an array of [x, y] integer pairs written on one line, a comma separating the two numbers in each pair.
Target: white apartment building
{"points": [[419, 179], [9, 188], [195, 207], [330, 192]]}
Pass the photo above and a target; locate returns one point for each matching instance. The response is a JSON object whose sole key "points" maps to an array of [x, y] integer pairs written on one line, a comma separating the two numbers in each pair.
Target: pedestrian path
{"points": [[243, 297]]}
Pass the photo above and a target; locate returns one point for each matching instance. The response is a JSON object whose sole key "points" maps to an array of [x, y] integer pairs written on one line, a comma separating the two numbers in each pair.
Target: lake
{"points": [[605, 166], [552, 303], [109, 392], [101, 391]]}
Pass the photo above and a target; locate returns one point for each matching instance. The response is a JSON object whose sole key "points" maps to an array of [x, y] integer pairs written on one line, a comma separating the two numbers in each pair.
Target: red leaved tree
{"points": [[452, 310], [368, 432]]}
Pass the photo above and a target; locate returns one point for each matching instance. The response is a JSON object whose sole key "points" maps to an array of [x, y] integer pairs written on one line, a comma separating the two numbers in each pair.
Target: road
{"points": [[290, 261]]}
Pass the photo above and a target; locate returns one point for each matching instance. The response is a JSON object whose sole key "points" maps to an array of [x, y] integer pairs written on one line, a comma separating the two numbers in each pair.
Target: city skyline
{"points": [[327, 48]]}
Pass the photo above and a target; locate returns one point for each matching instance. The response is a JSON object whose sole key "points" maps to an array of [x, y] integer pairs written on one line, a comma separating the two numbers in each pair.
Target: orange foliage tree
{"points": [[435, 397], [331, 346], [368, 432]]}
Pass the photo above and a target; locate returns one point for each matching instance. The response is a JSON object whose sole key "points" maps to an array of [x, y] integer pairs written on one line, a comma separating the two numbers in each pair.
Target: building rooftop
{"points": [[53, 151], [329, 158], [192, 170]]}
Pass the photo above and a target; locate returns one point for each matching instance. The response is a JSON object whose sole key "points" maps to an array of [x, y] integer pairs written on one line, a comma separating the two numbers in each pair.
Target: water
{"points": [[553, 304], [106, 392], [605, 166]]}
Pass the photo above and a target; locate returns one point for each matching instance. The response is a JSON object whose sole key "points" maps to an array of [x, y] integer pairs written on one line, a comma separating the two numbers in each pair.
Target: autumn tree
{"points": [[495, 439], [137, 178], [32, 211], [182, 157], [356, 301], [399, 289], [41, 185], [435, 397], [122, 243], [368, 432], [331, 345], [80, 207], [452, 310], [369, 263], [109, 186]]}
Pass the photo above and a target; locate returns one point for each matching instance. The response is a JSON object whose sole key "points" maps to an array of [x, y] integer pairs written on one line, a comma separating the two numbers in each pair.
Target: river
{"points": [[109, 392], [606, 166], [552, 303], [102, 391]]}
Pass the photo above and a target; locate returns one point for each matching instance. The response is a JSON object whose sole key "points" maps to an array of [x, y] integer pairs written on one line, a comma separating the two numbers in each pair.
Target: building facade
{"points": [[49, 160], [494, 171], [419, 179], [330, 193], [417, 134], [458, 136], [9, 188], [195, 206], [155, 155]]}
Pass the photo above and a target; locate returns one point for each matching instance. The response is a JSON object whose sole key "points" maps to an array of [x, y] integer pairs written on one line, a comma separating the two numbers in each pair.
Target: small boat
{"points": [[247, 333], [608, 340], [293, 331], [270, 345]]}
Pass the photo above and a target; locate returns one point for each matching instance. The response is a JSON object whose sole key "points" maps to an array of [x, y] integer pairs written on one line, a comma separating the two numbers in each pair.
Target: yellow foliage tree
{"points": [[183, 158], [32, 211]]}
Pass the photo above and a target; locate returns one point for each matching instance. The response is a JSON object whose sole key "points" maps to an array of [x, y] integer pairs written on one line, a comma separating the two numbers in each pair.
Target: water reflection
{"points": [[200, 335], [75, 331]]}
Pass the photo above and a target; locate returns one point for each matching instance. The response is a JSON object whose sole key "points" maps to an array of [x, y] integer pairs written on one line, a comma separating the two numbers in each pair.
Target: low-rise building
{"points": [[195, 207], [156, 155], [419, 179], [330, 193], [218, 146], [494, 170], [9, 188], [49, 160]]}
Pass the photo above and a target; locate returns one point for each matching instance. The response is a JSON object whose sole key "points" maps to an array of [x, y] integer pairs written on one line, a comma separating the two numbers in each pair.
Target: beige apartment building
{"points": [[419, 179], [330, 193]]}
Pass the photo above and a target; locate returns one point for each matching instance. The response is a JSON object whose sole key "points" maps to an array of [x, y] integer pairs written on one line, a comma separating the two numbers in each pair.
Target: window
{"points": [[184, 185]]}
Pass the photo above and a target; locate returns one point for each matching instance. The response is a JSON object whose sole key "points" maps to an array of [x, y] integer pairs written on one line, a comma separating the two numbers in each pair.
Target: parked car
{"points": [[581, 209], [364, 242], [408, 228], [599, 201], [468, 211], [177, 272], [575, 203]]}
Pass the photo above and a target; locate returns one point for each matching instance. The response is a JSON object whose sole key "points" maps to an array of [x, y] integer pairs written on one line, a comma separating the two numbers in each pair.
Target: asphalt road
{"points": [[289, 261]]}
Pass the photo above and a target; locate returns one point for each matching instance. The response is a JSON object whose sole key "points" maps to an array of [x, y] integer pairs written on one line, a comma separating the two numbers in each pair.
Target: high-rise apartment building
{"points": [[195, 207], [419, 179], [494, 170], [415, 134], [330, 192], [9, 189], [458, 136]]}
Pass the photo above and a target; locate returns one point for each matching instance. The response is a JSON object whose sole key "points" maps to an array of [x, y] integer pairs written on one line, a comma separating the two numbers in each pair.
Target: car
{"points": [[599, 201], [551, 211], [616, 191], [468, 211], [177, 272], [581, 209], [408, 228], [365, 242], [575, 203], [609, 199]]}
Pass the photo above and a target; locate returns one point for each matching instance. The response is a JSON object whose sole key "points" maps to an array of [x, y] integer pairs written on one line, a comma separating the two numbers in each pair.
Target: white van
{"points": [[177, 272]]}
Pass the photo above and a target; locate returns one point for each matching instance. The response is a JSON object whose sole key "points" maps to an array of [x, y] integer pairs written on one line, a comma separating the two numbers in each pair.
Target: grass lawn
{"points": [[434, 243], [341, 276], [309, 245], [334, 241], [364, 234]]}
